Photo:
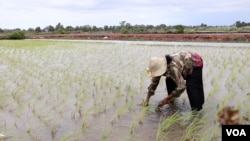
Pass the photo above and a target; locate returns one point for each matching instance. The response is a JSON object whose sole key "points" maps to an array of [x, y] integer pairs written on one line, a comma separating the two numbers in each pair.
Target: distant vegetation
{"points": [[16, 34], [125, 28]]}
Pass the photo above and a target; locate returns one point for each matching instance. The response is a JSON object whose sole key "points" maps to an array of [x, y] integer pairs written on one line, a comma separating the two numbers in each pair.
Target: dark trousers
{"points": [[194, 87]]}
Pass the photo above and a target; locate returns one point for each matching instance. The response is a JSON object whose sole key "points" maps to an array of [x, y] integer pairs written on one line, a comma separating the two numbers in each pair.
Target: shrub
{"points": [[16, 34], [179, 28], [61, 31], [124, 30]]}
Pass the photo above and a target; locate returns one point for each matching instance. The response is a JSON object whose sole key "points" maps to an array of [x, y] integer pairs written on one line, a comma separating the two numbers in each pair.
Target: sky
{"points": [[26, 14]]}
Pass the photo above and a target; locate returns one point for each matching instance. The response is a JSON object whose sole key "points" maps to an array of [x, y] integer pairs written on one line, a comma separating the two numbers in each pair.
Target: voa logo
{"points": [[236, 132]]}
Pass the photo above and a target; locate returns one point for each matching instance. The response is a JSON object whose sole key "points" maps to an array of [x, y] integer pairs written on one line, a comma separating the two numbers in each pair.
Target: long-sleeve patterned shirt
{"points": [[181, 65]]}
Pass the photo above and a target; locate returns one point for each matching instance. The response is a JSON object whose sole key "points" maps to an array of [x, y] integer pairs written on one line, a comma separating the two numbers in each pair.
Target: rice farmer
{"points": [[183, 71]]}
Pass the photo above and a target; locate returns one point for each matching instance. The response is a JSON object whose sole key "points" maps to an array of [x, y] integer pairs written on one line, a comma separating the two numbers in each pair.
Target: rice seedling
{"points": [[85, 118], [192, 131], [119, 111], [215, 86], [66, 137], [133, 125], [142, 114], [164, 125], [211, 133], [105, 134]]}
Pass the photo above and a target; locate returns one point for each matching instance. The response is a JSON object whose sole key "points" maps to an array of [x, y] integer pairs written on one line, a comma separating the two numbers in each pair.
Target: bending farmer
{"points": [[183, 70]]}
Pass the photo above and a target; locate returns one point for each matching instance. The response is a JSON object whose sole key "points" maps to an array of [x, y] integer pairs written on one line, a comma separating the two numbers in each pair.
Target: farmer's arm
{"points": [[154, 83], [180, 88], [151, 88], [180, 82]]}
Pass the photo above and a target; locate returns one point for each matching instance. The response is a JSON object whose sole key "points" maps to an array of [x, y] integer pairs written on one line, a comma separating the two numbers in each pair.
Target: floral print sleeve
{"points": [[178, 79], [154, 83]]}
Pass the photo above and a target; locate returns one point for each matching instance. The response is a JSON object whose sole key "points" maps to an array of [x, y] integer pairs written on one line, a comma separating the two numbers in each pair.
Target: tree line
{"points": [[241, 24], [123, 28], [127, 28]]}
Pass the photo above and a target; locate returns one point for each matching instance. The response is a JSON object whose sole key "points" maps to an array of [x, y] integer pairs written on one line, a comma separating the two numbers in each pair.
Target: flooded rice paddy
{"points": [[66, 90]]}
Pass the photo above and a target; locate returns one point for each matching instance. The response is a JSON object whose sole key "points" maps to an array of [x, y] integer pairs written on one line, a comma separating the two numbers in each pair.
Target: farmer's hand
{"points": [[165, 101], [149, 94], [161, 104], [158, 109], [144, 103]]}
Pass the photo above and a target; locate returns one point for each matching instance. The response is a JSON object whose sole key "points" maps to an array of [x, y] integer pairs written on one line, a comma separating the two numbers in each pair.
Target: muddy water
{"points": [[88, 90]]}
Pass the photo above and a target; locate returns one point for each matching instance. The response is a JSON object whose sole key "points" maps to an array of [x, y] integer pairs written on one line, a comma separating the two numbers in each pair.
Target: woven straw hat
{"points": [[157, 66]]}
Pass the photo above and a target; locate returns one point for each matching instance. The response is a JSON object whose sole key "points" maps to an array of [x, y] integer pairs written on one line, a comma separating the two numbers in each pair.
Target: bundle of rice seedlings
{"points": [[228, 116]]}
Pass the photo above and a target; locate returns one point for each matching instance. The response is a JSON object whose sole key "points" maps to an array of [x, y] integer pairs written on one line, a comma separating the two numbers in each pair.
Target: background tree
{"points": [[241, 24], [179, 28], [203, 25], [94, 28], [69, 29], [16, 34], [59, 26], [106, 28], [50, 28], [38, 29], [85, 28], [59, 29], [123, 30], [31, 30], [122, 23]]}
